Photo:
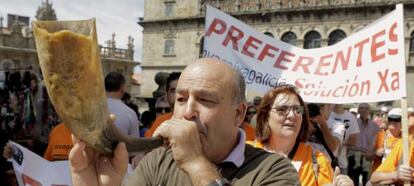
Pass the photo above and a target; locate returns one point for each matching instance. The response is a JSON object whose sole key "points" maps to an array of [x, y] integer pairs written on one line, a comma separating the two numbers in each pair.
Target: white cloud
{"points": [[112, 16]]}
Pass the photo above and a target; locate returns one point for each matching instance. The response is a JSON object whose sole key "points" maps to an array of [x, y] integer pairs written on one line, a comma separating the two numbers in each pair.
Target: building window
{"points": [[169, 9], [7, 64], [289, 37], [336, 36], [412, 43], [169, 47], [269, 34], [312, 40]]}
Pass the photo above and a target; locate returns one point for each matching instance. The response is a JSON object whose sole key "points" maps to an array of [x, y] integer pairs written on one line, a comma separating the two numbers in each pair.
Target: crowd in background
{"points": [[26, 114]]}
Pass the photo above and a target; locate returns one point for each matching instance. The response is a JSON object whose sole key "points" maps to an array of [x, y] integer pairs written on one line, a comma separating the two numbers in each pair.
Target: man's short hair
{"points": [[172, 77], [114, 81], [239, 88], [126, 97], [364, 105], [314, 109]]}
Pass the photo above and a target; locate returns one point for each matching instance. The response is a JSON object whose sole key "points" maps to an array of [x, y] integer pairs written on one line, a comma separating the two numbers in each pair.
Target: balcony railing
{"points": [[118, 53]]}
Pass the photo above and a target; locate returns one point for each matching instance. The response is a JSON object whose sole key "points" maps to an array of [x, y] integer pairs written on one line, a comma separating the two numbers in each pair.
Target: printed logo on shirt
{"points": [[57, 157], [63, 147]]}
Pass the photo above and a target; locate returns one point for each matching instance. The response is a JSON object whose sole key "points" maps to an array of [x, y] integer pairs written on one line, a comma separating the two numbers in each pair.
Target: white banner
{"points": [[368, 66], [31, 169]]}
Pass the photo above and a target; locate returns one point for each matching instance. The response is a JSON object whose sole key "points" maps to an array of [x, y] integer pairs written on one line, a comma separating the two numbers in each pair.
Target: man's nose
{"points": [[191, 111]]}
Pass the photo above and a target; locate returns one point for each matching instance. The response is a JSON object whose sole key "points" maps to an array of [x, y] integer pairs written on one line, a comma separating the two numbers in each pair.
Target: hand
{"points": [[7, 151], [380, 152], [341, 180], [184, 139], [322, 121], [404, 173], [88, 167]]}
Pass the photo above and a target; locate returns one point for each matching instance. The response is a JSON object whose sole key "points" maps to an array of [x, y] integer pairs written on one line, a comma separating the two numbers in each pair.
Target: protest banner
{"points": [[31, 169], [367, 66]]}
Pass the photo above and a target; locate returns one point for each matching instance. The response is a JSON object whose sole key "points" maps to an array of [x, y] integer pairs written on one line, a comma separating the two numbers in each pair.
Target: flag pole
{"points": [[404, 117], [405, 135]]}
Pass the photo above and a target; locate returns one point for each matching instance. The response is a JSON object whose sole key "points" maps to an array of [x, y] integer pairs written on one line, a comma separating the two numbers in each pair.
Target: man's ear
{"points": [[240, 113]]}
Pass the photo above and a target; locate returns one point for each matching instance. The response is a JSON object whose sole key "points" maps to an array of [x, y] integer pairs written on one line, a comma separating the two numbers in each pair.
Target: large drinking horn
{"points": [[69, 57]]}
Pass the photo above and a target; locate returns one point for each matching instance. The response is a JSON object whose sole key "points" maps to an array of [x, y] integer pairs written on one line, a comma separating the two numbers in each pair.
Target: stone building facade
{"points": [[173, 29], [18, 51]]}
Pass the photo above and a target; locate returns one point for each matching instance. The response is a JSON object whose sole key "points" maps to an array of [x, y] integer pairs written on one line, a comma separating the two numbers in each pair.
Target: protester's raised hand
{"points": [[321, 120], [405, 173], [89, 167], [7, 151], [341, 180]]}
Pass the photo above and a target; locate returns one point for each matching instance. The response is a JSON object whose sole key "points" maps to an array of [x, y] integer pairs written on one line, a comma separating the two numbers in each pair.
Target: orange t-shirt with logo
{"points": [[394, 158], [306, 172], [390, 141], [59, 144]]}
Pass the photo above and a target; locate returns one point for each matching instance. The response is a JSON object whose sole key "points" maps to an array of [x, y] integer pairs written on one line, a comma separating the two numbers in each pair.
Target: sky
{"points": [[112, 16]]}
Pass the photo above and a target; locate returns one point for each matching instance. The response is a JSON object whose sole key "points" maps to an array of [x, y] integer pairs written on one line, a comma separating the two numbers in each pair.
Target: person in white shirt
{"points": [[126, 119], [326, 133], [361, 156], [339, 114]]}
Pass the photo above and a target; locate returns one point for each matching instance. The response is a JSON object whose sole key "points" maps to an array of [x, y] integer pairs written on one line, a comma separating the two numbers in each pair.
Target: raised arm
{"points": [[90, 168]]}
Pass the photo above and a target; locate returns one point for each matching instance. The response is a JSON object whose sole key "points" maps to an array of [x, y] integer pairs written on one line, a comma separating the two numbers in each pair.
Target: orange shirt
{"points": [[306, 172], [157, 122], [389, 142], [249, 130], [393, 159], [59, 144]]}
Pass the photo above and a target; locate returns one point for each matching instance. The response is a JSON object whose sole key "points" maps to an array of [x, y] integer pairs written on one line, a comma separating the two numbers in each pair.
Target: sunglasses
{"points": [[394, 119], [251, 112], [285, 109], [162, 109]]}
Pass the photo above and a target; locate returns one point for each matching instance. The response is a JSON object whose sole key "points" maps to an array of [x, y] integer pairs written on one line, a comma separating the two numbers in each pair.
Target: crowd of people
{"points": [[216, 137], [27, 116]]}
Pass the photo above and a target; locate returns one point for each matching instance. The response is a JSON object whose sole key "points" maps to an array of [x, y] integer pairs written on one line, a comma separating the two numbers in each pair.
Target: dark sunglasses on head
{"points": [[394, 119], [162, 109], [251, 112]]}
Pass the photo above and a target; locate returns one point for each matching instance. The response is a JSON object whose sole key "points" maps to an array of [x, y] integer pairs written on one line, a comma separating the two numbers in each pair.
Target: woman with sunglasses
{"points": [[391, 170], [246, 126], [251, 111], [386, 140], [282, 127]]}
